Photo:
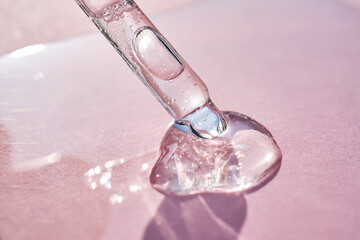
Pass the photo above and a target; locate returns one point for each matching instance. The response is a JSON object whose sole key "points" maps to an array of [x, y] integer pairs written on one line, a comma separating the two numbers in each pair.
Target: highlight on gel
{"points": [[204, 150]]}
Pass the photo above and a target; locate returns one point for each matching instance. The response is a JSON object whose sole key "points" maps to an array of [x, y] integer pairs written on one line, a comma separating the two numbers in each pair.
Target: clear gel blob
{"points": [[242, 157]]}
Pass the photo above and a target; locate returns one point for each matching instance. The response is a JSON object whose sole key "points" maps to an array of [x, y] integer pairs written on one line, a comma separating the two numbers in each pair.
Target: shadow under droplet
{"points": [[205, 216]]}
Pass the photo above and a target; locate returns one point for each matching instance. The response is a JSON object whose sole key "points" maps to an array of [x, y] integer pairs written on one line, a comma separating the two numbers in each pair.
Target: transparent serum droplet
{"points": [[242, 157], [156, 54]]}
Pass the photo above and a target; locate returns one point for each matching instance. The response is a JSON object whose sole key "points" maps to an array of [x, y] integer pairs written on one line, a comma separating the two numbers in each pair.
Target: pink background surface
{"points": [[292, 65]]}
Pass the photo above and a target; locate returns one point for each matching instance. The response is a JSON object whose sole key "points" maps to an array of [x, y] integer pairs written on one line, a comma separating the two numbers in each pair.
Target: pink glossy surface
{"points": [[291, 65]]}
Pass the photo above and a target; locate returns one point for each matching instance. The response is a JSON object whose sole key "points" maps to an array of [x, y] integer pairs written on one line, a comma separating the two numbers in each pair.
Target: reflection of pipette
{"points": [[157, 64]]}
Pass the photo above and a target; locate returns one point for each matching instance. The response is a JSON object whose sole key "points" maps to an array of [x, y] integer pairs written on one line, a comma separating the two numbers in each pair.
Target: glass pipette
{"points": [[159, 66]]}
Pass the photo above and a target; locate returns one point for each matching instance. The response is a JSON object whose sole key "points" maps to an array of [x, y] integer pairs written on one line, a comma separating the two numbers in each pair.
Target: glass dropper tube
{"points": [[158, 65]]}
